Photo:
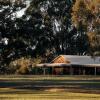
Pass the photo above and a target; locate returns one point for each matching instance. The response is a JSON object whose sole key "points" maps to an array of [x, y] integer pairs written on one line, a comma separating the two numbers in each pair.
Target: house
{"points": [[73, 65], [79, 64]]}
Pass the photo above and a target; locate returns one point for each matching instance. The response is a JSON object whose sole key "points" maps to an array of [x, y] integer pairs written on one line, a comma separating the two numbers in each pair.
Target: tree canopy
{"points": [[86, 17], [47, 28], [9, 42]]}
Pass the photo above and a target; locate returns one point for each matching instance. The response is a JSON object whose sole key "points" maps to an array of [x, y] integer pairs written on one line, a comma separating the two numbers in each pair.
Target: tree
{"points": [[8, 34], [51, 25], [85, 17]]}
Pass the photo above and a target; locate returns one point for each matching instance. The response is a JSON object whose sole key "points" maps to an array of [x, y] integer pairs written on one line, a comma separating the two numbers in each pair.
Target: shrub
{"points": [[23, 65]]}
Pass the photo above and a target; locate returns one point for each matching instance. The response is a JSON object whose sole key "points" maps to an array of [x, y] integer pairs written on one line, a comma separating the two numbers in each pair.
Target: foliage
{"points": [[11, 44], [23, 65], [50, 21], [51, 29], [46, 29], [85, 17]]}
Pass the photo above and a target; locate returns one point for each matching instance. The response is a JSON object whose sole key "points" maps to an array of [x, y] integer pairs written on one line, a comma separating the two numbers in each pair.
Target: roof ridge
{"points": [[81, 56]]}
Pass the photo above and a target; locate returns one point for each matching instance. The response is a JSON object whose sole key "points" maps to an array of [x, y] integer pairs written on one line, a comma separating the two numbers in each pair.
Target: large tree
{"points": [[51, 22], [9, 40], [86, 18], [45, 29]]}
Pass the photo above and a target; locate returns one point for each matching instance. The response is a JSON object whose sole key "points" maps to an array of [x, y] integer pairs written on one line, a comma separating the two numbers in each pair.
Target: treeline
{"points": [[48, 28]]}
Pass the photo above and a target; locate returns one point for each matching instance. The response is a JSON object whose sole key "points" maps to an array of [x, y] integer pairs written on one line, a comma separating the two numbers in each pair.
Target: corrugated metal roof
{"points": [[82, 59]]}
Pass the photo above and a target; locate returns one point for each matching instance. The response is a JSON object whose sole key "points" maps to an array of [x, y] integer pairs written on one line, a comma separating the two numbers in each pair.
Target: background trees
{"points": [[9, 38], [86, 18], [52, 27], [50, 20], [47, 28]]}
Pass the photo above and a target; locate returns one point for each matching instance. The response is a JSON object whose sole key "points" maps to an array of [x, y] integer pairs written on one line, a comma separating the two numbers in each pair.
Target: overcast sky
{"points": [[21, 12]]}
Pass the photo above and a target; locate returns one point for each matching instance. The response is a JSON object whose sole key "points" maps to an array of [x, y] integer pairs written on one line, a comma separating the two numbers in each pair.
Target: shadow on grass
{"points": [[24, 86]]}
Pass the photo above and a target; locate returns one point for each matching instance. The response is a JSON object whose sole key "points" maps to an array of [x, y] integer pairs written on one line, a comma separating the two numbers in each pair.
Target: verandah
{"points": [[66, 69]]}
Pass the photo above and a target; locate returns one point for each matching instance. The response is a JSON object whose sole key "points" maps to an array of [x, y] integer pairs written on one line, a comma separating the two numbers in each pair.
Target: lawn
{"points": [[50, 96], [49, 87]]}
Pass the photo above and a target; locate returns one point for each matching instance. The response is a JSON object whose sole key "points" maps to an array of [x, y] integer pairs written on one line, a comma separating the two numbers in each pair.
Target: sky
{"points": [[21, 12]]}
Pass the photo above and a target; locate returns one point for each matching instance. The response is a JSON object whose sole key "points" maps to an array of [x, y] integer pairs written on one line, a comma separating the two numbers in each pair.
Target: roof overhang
{"points": [[53, 65], [87, 65], [66, 65]]}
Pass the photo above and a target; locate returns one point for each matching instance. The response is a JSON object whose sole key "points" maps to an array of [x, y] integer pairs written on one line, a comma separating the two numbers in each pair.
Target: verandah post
{"points": [[95, 71], [44, 72], [71, 70]]}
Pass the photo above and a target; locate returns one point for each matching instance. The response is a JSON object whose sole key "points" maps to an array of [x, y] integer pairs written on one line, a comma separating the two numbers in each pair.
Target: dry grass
{"points": [[49, 77], [23, 88], [50, 96]]}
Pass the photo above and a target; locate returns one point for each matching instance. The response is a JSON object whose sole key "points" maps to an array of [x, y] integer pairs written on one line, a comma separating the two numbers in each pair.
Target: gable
{"points": [[60, 59]]}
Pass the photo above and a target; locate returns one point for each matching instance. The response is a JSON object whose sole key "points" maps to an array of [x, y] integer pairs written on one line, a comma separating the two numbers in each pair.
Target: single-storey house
{"points": [[72, 65]]}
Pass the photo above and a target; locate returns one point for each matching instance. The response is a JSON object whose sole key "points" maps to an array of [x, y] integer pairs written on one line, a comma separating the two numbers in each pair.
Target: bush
{"points": [[23, 65]]}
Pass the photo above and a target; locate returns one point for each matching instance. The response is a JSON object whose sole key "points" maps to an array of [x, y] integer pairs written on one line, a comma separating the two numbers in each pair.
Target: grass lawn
{"points": [[50, 96], [49, 88]]}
